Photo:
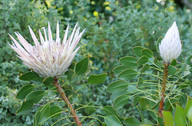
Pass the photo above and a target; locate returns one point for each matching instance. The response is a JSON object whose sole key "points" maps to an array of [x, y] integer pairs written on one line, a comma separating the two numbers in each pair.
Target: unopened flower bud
{"points": [[170, 47]]}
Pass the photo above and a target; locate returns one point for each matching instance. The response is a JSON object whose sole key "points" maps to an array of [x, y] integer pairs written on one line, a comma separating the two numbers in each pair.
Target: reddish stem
{"points": [[163, 89], [64, 97]]}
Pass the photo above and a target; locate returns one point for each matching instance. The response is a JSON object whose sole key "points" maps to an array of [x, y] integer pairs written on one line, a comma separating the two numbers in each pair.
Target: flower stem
{"points": [[163, 89], [64, 97]]}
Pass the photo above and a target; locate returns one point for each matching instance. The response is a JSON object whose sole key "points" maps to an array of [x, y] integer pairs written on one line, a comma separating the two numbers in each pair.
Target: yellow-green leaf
{"points": [[168, 119]]}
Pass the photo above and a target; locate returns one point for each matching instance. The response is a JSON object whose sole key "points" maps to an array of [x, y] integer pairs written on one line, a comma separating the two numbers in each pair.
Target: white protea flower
{"points": [[170, 47], [49, 58]]}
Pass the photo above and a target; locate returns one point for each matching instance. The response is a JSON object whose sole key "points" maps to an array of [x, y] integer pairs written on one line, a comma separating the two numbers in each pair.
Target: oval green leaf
{"points": [[117, 86], [112, 120], [173, 62], [54, 111], [171, 70], [137, 50], [109, 110], [120, 101], [128, 61], [142, 60], [127, 75], [29, 76], [131, 121], [148, 53], [24, 91], [26, 106], [82, 66], [97, 79], [70, 73], [144, 68], [44, 114], [48, 80], [119, 69], [35, 96]]}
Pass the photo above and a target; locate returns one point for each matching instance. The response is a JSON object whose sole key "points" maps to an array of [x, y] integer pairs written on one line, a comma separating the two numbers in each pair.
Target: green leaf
{"points": [[179, 116], [44, 114], [127, 75], [117, 86], [119, 69], [189, 114], [131, 121], [145, 67], [48, 80], [24, 91], [160, 121], [109, 110], [142, 60], [120, 101], [189, 60], [137, 50], [70, 73], [97, 79], [148, 53], [26, 106], [139, 82], [168, 119], [112, 120], [54, 110], [72, 66], [188, 109], [128, 61], [82, 66], [173, 62], [143, 103], [29, 76], [136, 100], [158, 63], [171, 70], [35, 96]]}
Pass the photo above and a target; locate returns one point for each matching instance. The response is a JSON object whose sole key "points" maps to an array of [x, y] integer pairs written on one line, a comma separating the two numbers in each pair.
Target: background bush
{"points": [[112, 28]]}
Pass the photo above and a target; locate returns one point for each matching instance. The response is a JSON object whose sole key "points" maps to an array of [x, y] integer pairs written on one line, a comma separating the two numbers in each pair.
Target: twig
{"points": [[64, 97], [161, 104]]}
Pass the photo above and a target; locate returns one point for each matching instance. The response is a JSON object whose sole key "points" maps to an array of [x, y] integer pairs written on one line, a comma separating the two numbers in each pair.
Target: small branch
{"points": [[64, 97], [163, 89]]}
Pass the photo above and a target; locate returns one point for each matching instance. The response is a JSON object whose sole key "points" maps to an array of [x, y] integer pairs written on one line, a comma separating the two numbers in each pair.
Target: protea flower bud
{"points": [[170, 47], [49, 58]]}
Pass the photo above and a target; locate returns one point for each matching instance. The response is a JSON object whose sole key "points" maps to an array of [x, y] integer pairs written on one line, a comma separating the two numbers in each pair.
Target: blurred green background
{"points": [[113, 27]]}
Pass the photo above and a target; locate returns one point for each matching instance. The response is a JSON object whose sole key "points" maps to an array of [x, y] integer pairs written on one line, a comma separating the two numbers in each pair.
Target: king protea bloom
{"points": [[48, 58], [170, 47]]}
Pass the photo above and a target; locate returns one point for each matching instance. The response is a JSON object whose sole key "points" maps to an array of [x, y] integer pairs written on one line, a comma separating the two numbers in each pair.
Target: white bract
{"points": [[170, 47], [49, 58]]}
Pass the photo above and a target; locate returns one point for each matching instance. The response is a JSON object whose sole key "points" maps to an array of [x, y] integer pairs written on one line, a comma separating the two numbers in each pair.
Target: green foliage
{"points": [[142, 85], [110, 35], [33, 94], [182, 117]]}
